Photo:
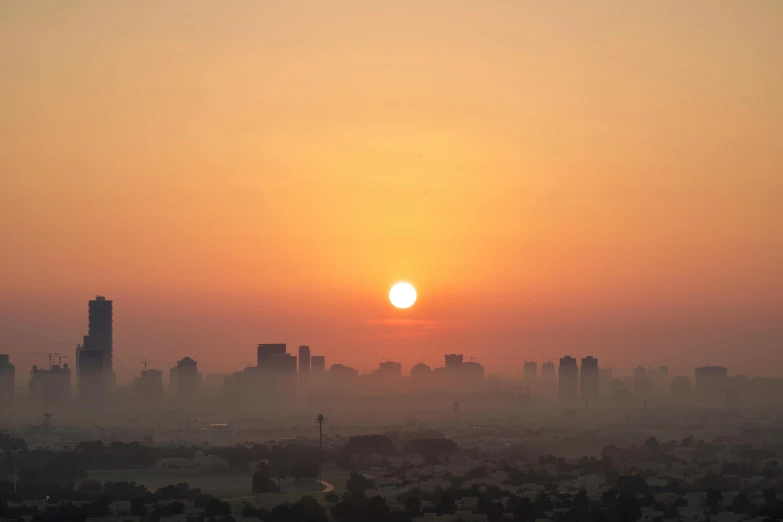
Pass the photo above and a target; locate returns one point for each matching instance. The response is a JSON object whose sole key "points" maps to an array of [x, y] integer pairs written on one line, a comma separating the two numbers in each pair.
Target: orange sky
{"points": [[554, 177]]}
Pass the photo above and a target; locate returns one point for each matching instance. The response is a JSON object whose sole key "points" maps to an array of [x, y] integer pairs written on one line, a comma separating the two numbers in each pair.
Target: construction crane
{"points": [[50, 355], [145, 363]]}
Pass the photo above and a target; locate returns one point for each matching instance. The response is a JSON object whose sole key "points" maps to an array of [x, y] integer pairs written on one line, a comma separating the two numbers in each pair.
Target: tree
{"points": [[627, 509], [714, 499], [742, 505], [216, 508], [413, 506], [430, 447], [320, 419], [332, 498], [377, 509], [262, 483], [358, 483]]}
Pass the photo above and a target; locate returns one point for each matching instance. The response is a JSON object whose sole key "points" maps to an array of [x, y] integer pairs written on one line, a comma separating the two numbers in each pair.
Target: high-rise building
{"points": [[642, 383], [453, 360], [681, 389], [390, 368], [317, 364], [149, 386], [267, 351], [304, 360], [711, 383], [530, 371], [101, 330], [568, 378], [473, 373], [604, 382], [185, 379], [7, 380], [304, 369], [52, 386], [589, 377], [92, 376], [548, 371], [421, 375]]}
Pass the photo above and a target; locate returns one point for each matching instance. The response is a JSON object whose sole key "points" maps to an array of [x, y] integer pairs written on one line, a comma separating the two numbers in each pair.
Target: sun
{"points": [[402, 295]]}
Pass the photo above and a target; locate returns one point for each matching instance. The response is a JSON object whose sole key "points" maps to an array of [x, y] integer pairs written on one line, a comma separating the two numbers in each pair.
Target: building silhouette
{"points": [[604, 382], [317, 364], [304, 369], [7, 380], [567, 379], [93, 380], [149, 386], [453, 360], [530, 372], [589, 374], [185, 380], [642, 383], [267, 351], [548, 371], [681, 389], [95, 358], [711, 384], [52, 386], [421, 376], [101, 330]]}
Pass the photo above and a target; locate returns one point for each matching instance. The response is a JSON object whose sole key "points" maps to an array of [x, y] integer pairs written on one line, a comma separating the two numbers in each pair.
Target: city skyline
{"points": [[593, 180]]}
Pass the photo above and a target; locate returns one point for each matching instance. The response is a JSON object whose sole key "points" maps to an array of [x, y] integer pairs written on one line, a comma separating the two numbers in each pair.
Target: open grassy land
{"points": [[222, 484], [227, 484]]}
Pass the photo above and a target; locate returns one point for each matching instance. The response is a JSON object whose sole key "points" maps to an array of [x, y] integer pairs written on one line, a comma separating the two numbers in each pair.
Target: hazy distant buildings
{"points": [[95, 358], [548, 371], [589, 378], [149, 386], [711, 383], [530, 372], [185, 380], [390, 369], [567, 379], [317, 364], [7, 380], [660, 380], [304, 369], [642, 383], [453, 360], [52, 386], [101, 330], [267, 351], [681, 389], [473, 373], [604, 382], [93, 381], [421, 376]]}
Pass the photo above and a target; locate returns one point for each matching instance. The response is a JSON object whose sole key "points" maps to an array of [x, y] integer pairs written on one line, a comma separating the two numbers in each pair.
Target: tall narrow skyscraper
{"points": [[589, 374], [101, 330], [568, 379], [304, 360], [7, 380]]}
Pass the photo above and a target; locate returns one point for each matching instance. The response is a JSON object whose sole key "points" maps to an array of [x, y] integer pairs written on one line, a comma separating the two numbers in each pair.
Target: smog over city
{"points": [[414, 261]]}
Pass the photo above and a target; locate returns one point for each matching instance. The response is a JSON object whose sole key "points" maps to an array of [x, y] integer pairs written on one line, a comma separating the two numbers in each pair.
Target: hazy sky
{"points": [[598, 177]]}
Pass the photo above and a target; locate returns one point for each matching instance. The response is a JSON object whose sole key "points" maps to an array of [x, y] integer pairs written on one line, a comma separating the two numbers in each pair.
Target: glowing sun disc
{"points": [[402, 295]]}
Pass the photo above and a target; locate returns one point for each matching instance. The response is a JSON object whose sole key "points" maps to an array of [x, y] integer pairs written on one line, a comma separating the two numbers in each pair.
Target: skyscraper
{"points": [[568, 379], [101, 330], [7, 380], [317, 363], [589, 374], [95, 358], [530, 371], [304, 369], [185, 379], [304, 360], [453, 360], [267, 351]]}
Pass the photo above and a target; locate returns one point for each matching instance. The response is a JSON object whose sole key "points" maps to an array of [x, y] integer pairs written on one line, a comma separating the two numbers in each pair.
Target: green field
{"points": [[223, 484]]}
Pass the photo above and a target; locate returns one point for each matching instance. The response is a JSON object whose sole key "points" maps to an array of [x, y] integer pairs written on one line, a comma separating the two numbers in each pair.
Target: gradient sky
{"points": [[554, 177]]}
